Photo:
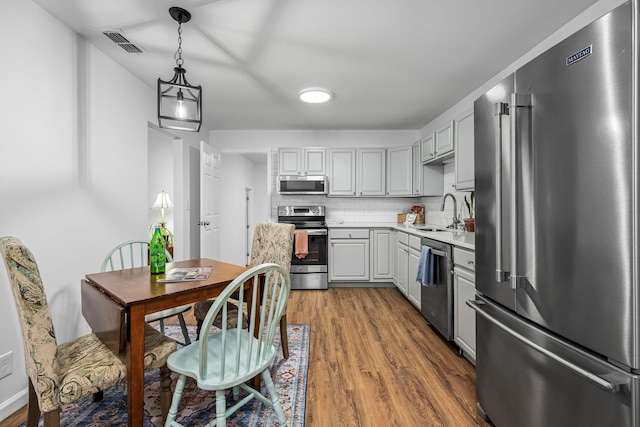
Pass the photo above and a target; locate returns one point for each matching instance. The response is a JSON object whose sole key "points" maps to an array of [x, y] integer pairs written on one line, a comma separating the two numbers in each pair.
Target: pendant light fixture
{"points": [[179, 103]]}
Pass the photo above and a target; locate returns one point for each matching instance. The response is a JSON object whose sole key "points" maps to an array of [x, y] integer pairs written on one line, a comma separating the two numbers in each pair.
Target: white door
{"points": [[250, 223], [209, 210]]}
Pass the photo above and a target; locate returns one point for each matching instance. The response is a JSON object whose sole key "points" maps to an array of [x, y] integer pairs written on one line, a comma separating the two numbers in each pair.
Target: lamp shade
{"points": [[163, 201]]}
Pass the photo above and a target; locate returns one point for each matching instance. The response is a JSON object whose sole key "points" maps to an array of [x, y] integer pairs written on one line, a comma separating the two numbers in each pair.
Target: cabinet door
{"points": [[464, 323], [314, 161], [444, 141], [289, 161], [402, 255], [371, 171], [400, 171], [394, 256], [428, 148], [416, 169], [415, 290], [464, 152], [349, 260], [381, 264], [342, 177]]}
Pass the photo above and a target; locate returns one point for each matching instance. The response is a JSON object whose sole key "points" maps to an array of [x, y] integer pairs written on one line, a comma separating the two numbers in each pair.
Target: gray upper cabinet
{"points": [[371, 171], [357, 172], [302, 161], [444, 142], [440, 146], [342, 172], [416, 169], [400, 171], [464, 152], [428, 148], [314, 161]]}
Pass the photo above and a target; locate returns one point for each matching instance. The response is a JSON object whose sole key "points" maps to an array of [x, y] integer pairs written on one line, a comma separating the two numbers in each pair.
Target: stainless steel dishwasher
{"points": [[436, 304]]}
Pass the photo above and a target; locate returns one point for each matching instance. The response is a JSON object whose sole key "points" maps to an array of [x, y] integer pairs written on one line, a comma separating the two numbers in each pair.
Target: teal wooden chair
{"points": [[135, 253], [58, 374], [229, 358]]}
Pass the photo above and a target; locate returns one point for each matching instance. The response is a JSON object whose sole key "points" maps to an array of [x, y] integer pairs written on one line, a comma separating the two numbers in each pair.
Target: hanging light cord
{"points": [[178, 54]]}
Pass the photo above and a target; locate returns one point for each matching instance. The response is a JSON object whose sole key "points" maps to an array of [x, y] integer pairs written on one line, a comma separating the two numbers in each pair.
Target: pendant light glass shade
{"points": [[179, 103]]}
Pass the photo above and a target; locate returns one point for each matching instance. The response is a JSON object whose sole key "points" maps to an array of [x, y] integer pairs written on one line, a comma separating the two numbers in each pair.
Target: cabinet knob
{"points": [[469, 262]]}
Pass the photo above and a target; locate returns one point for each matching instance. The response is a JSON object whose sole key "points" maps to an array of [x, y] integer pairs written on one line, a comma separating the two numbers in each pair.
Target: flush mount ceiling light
{"points": [[179, 103], [315, 95]]}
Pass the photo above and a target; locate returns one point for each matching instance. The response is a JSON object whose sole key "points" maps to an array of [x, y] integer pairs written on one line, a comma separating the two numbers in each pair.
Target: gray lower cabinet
{"points": [[407, 256], [381, 259], [349, 255], [464, 288], [414, 288], [402, 262]]}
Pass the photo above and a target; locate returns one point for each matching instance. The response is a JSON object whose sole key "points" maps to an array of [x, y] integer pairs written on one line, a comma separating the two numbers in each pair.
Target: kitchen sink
{"points": [[430, 228]]}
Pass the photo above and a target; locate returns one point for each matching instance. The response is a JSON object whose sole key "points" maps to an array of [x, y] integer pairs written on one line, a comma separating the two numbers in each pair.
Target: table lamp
{"points": [[163, 201]]}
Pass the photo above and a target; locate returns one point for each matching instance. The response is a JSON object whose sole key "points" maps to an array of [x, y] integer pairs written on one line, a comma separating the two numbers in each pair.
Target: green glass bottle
{"points": [[157, 256]]}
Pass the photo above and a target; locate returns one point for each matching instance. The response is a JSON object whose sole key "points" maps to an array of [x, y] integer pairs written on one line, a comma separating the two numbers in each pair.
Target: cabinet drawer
{"points": [[414, 242], [464, 258], [349, 233], [403, 238]]}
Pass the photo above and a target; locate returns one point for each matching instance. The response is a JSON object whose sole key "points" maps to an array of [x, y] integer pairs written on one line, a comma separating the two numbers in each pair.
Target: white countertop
{"points": [[462, 239]]}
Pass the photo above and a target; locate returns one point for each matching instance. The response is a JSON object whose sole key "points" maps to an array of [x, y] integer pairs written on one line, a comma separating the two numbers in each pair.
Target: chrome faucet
{"points": [[456, 220]]}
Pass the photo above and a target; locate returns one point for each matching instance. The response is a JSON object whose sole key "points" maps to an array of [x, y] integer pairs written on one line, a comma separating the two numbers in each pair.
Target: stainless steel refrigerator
{"points": [[557, 234]]}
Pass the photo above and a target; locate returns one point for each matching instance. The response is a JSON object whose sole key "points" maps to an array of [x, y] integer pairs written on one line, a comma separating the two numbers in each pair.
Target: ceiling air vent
{"points": [[122, 41]]}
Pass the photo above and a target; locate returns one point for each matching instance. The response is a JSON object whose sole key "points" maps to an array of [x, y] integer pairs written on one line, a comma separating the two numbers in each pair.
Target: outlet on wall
{"points": [[6, 364]]}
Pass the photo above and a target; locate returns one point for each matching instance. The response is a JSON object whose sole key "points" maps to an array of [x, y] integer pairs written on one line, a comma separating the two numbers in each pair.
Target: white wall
{"points": [[161, 176], [266, 140], [592, 13], [74, 170]]}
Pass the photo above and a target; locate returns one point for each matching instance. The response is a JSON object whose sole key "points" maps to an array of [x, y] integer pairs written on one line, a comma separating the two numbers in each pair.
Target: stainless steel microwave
{"points": [[294, 184]]}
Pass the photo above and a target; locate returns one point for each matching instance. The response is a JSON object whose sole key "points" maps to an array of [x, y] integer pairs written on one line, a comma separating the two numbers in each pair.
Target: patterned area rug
{"points": [[197, 407]]}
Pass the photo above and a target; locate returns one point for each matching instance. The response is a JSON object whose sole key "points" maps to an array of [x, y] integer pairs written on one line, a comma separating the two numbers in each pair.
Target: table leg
{"points": [[135, 366]]}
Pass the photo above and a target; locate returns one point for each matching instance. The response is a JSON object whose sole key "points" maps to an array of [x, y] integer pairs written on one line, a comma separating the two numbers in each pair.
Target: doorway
{"points": [[245, 190]]}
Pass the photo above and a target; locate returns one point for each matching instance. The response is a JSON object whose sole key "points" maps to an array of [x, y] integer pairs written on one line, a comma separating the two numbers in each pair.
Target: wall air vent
{"points": [[122, 41]]}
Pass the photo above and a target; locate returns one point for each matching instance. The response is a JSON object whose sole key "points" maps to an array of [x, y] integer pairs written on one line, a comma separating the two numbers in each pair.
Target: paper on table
{"points": [[187, 274]]}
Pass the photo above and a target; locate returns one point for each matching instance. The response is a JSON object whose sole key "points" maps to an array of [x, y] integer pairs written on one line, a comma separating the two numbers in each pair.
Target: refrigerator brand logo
{"points": [[580, 55]]}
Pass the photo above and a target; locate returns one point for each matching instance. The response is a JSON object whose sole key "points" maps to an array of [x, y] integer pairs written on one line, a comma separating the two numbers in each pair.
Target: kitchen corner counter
{"points": [[462, 239]]}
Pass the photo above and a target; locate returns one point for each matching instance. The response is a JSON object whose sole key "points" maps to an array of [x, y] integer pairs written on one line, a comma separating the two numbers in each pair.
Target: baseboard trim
{"points": [[361, 285], [11, 405]]}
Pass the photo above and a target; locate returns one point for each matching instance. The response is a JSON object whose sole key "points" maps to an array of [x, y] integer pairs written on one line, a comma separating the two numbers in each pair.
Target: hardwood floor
{"points": [[374, 360]]}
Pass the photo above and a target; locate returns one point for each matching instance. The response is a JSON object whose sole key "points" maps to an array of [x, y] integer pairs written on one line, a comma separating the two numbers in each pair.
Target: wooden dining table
{"points": [[116, 301]]}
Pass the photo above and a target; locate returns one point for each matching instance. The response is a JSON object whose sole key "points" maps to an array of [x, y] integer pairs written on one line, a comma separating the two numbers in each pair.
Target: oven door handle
{"points": [[317, 232]]}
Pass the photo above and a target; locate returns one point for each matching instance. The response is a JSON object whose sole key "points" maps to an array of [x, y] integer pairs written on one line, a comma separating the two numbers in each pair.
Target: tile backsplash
{"points": [[373, 209]]}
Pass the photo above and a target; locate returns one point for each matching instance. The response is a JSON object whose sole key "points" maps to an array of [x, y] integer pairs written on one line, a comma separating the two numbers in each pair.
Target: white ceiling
{"points": [[392, 64]]}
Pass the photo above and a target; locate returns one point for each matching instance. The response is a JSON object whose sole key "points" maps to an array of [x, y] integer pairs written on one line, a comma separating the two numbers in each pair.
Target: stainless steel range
{"points": [[309, 272]]}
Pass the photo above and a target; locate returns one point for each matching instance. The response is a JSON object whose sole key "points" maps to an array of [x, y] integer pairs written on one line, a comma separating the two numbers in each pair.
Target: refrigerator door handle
{"points": [[517, 101], [600, 382], [501, 109]]}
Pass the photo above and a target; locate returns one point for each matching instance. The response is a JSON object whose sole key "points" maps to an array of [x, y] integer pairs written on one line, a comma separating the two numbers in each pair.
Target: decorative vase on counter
{"points": [[469, 224]]}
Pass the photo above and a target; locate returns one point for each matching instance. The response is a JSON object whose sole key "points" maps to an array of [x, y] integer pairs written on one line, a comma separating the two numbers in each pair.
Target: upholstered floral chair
{"points": [[272, 243], [65, 373], [58, 374]]}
